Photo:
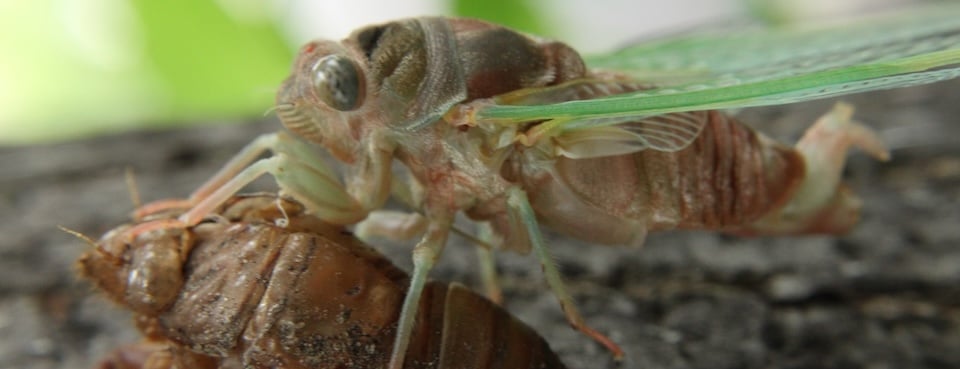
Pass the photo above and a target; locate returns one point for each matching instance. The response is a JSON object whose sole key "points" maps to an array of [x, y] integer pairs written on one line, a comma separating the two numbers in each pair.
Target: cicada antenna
{"points": [[89, 241], [79, 235], [131, 179]]}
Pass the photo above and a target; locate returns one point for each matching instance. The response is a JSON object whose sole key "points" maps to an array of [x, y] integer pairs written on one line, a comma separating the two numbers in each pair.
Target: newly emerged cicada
{"points": [[514, 131], [265, 285]]}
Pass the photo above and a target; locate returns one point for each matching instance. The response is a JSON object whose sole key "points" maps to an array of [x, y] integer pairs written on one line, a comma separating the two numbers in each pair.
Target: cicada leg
{"points": [[520, 208], [238, 163], [488, 265], [298, 170], [425, 255], [401, 226]]}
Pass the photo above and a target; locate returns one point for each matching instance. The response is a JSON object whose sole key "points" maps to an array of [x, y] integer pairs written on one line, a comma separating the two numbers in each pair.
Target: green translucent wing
{"points": [[737, 69], [751, 54]]}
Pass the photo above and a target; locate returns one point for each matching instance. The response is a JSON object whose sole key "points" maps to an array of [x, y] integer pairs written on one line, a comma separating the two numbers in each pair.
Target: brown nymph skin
{"points": [[246, 292]]}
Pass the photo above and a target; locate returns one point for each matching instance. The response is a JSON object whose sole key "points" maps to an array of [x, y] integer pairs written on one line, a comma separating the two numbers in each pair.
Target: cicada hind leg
{"points": [[523, 213]]}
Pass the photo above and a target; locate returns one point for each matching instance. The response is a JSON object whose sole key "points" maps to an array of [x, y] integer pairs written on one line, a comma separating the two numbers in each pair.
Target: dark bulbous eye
{"points": [[336, 81]]}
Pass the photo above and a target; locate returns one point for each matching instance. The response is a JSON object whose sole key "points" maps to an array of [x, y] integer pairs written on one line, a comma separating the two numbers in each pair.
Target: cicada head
{"points": [[141, 272], [394, 77], [324, 96]]}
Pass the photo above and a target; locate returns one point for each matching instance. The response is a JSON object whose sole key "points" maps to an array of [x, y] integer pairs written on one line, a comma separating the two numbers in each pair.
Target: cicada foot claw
{"points": [[576, 321], [603, 340]]}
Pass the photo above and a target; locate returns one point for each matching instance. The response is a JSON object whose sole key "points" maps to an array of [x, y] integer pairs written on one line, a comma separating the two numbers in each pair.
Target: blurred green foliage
{"points": [[81, 67], [211, 63], [516, 14]]}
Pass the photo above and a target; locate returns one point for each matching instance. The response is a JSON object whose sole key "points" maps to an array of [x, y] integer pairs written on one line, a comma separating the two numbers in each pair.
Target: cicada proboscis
{"points": [[514, 131]]}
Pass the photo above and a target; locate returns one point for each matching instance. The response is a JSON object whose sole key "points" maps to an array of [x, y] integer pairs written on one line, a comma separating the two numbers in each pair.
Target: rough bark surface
{"points": [[885, 296]]}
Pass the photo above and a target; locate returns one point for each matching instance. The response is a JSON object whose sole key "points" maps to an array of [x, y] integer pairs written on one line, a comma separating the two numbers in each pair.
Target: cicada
{"points": [[267, 286], [515, 131]]}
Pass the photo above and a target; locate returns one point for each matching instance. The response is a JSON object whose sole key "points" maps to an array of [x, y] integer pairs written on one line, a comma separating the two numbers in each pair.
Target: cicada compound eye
{"points": [[337, 81]]}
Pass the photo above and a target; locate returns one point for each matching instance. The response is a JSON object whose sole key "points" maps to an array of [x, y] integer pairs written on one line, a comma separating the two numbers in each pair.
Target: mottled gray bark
{"points": [[885, 296]]}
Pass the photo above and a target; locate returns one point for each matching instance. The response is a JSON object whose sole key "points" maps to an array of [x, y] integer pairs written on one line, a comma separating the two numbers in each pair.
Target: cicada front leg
{"points": [[298, 170], [279, 143]]}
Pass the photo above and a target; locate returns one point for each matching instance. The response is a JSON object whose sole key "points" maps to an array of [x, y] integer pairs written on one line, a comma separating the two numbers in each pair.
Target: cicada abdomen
{"points": [[245, 292], [728, 177]]}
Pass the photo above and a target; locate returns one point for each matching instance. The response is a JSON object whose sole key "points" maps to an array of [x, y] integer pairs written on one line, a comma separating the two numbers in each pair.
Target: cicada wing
{"points": [[754, 68], [749, 53], [601, 137]]}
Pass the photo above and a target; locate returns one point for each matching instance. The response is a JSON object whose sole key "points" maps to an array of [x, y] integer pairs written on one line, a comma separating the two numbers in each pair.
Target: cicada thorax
{"points": [[497, 60], [488, 59], [727, 177]]}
